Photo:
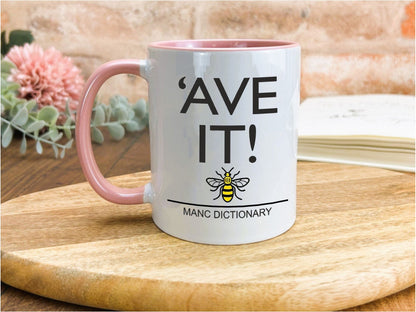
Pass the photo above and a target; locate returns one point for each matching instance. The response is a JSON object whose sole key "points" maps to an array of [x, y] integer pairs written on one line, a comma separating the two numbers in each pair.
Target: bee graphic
{"points": [[227, 184]]}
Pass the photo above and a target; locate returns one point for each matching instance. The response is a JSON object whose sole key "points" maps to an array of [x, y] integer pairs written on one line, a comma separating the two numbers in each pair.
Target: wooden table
{"points": [[32, 172]]}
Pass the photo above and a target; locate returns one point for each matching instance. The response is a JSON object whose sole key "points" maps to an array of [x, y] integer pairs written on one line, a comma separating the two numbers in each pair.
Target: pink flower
{"points": [[46, 76]]}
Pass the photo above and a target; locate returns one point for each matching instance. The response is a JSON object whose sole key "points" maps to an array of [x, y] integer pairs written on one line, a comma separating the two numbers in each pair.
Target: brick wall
{"points": [[348, 47]]}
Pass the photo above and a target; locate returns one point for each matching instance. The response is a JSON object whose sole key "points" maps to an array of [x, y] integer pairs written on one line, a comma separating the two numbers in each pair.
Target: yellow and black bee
{"points": [[227, 184]]}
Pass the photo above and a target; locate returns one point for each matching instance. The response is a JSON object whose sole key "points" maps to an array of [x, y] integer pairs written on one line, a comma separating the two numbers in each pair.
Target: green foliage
{"points": [[118, 117], [16, 37], [45, 126], [48, 114]]}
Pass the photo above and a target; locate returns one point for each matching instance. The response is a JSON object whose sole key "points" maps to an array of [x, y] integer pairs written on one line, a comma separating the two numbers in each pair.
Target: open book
{"points": [[373, 130]]}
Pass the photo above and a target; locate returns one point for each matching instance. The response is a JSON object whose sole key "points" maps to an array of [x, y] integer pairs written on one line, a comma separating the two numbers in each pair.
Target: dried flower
{"points": [[46, 76]]}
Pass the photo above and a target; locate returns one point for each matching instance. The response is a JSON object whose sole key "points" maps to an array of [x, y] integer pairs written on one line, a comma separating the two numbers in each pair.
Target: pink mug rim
{"points": [[223, 44]]}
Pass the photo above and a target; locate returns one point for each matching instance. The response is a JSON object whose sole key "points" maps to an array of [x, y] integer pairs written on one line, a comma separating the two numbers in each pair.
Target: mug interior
{"points": [[223, 44]]}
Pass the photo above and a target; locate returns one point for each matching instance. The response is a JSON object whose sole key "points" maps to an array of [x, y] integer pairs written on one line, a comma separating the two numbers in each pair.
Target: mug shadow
{"points": [[127, 225], [130, 220]]}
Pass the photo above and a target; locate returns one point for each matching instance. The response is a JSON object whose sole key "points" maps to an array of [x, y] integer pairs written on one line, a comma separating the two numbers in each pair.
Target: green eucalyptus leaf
{"points": [[68, 133], [99, 116], [7, 66], [35, 126], [30, 105], [132, 125], [4, 126], [69, 143], [62, 153], [49, 114], [19, 102], [7, 136], [116, 131], [15, 108], [55, 150], [140, 108], [130, 113], [6, 103], [11, 97], [108, 112], [97, 135], [53, 133], [121, 114], [45, 135], [67, 109], [118, 100], [21, 117], [39, 147], [67, 128], [12, 87], [5, 76], [56, 137], [113, 101], [142, 124], [123, 101], [23, 145], [4, 84]]}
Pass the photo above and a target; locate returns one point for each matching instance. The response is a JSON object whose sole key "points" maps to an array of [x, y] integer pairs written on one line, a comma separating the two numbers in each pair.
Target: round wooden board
{"points": [[353, 242]]}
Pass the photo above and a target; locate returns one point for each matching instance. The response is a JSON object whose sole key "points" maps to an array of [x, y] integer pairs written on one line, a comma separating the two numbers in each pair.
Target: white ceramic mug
{"points": [[223, 138]]}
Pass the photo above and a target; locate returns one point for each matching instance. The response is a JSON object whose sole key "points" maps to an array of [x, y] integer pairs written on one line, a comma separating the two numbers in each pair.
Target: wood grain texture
{"points": [[23, 174], [401, 301], [353, 242]]}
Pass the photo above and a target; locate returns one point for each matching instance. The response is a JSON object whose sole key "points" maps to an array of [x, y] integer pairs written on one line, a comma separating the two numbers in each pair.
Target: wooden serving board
{"points": [[353, 242]]}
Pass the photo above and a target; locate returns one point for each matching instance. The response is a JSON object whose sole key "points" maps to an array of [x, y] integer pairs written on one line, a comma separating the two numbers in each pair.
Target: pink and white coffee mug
{"points": [[223, 138]]}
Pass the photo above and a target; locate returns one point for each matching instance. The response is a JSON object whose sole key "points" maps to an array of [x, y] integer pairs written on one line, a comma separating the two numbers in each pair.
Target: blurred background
{"points": [[348, 47]]}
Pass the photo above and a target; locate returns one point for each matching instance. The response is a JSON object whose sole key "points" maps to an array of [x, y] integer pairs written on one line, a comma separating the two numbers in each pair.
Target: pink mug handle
{"points": [[89, 166]]}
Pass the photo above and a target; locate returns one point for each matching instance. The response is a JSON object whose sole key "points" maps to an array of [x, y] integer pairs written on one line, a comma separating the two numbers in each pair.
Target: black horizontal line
{"points": [[227, 206]]}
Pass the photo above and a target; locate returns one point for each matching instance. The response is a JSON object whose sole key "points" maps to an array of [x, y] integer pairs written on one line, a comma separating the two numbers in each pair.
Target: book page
{"points": [[381, 115]]}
